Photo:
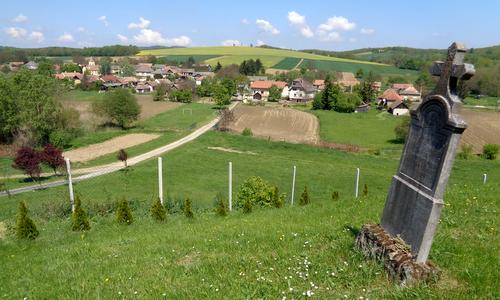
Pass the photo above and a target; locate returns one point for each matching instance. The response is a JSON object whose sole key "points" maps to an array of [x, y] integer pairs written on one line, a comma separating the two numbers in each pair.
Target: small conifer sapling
{"points": [[188, 210], [221, 208], [25, 227], [158, 211], [365, 190], [79, 218], [123, 212], [304, 197]]}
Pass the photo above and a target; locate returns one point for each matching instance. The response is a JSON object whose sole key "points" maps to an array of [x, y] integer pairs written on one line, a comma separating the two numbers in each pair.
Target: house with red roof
{"points": [[407, 91], [260, 89], [319, 84], [398, 108]]}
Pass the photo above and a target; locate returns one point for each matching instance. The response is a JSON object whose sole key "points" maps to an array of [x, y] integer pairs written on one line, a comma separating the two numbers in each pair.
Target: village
{"points": [[147, 78]]}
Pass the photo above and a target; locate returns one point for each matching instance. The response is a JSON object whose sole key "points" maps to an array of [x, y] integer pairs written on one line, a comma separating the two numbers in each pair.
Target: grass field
{"points": [[288, 63], [486, 101], [79, 95], [267, 61], [265, 254], [184, 58]]}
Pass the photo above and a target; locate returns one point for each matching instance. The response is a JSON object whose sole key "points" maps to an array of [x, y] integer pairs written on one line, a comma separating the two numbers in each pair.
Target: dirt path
{"points": [[110, 146], [277, 123]]}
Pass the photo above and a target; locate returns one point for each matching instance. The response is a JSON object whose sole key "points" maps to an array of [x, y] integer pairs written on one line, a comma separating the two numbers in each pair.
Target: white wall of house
{"points": [[400, 111]]}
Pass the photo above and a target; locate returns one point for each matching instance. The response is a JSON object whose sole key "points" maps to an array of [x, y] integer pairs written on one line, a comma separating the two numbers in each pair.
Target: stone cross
{"points": [[415, 198]]}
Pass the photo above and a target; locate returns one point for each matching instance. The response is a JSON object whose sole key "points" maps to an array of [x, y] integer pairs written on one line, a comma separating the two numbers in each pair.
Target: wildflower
{"points": [[135, 293]]}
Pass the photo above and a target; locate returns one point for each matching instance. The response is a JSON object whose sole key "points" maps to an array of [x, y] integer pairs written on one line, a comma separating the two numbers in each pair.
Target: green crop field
{"points": [[184, 58], [270, 253], [288, 63], [267, 61], [341, 66]]}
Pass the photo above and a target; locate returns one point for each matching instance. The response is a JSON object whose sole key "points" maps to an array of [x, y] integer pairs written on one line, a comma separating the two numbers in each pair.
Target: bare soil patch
{"points": [[277, 123], [111, 146], [232, 150], [483, 128]]}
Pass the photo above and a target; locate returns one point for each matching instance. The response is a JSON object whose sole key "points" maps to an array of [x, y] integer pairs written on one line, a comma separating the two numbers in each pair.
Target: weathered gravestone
{"points": [[413, 206]]}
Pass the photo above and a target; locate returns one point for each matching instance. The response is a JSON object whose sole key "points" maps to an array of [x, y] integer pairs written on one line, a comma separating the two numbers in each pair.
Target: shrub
{"points": [[79, 217], [158, 211], [466, 152], [28, 160], [52, 157], [123, 156], [25, 227], [247, 206], [304, 198], [365, 190], [255, 190], [123, 212], [277, 200], [401, 130], [188, 210], [221, 208], [490, 151], [335, 196], [247, 132], [120, 106]]}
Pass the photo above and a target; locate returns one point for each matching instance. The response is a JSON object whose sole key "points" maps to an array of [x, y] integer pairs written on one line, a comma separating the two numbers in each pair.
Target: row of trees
{"points": [[29, 160], [333, 98], [251, 67]]}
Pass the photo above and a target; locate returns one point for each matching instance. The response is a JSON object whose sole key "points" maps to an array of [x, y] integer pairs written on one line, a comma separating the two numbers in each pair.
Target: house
{"points": [[199, 76], [129, 80], [116, 69], [319, 84], [92, 68], [301, 90], [31, 65], [110, 79], [143, 87], [260, 89], [346, 80], [389, 96], [398, 108], [202, 68], [144, 71], [256, 78], [75, 76], [186, 72], [410, 94], [15, 65]]}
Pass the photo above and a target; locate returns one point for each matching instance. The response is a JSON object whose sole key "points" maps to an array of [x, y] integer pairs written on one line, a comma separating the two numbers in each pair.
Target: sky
{"points": [[328, 25]]}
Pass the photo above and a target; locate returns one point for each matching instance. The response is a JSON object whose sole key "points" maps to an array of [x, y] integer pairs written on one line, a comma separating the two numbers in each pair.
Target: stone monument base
{"points": [[395, 254]]}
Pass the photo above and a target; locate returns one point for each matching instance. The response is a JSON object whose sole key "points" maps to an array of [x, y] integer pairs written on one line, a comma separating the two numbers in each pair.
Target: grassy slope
{"points": [[287, 63], [339, 66], [247, 256]]}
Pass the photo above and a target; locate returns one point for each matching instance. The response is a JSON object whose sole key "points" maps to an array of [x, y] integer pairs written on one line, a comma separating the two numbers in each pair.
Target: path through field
{"points": [[483, 128], [277, 123], [110, 146]]}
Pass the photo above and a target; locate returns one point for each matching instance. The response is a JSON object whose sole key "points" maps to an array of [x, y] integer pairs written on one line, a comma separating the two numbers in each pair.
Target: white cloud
{"points": [[332, 36], [37, 36], [296, 19], [20, 18], [81, 29], [299, 21], [151, 37], [231, 43], [143, 24], [334, 23], [104, 20], [259, 43], [16, 32], [245, 21], [66, 37], [122, 38], [267, 26], [367, 31]]}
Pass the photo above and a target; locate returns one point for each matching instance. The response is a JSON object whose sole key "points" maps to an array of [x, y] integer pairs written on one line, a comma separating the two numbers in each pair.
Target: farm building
{"points": [[346, 79], [144, 71], [77, 77], [31, 65], [410, 94], [319, 84], [301, 90], [142, 88], [389, 96], [260, 89], [398, 108]]}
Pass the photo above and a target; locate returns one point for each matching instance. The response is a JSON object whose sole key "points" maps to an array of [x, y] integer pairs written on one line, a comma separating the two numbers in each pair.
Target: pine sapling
{"points": [[188, 210], [25, 227], [335, 196], [79, 218], [276, 198], [158, 211], [304, 198], [365, 190], [221, 208], [123, 212]]}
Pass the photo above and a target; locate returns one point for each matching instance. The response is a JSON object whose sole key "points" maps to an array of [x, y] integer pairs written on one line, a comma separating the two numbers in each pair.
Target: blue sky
{"points": [[329, 25]]}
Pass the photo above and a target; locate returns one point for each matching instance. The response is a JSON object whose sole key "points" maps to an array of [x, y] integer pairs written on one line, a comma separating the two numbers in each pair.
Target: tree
{"points": [[220, 94], [205, 88], [365, 190], [123, 156], [217, 67], [182, 95], [277, 200], [45, 68], [105, 68], [366, 90], [160, 92], [304, 197], [347, 103], [79, 219], [221, 208], [401, 130], [188, 210], [71, 68], [190, 62], [25, 227], [330, 95], [52, 157], [123, 212], [318, 101], [127, 69], [120, 106], [274, 94], [158, 212], [28, 160], [359, 73]]}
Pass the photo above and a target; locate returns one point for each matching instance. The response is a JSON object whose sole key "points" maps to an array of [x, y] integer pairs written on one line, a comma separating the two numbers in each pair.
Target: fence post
{"points": [[485, 177], [70, 185], [160, 180], [230, 192], [357, 183], [293, 183]]}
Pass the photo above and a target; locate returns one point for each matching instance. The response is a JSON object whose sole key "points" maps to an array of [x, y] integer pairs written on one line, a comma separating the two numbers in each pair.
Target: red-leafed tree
{"points": [[28, 160], [123, 156], [52, 157]]}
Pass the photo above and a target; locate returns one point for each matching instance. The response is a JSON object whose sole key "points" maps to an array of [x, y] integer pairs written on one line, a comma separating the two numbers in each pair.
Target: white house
{"points": [[398, 108], [301, 90]]}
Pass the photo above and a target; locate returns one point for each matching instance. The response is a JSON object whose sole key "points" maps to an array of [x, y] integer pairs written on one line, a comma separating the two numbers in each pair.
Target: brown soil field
{"points": [[149, 108], [277, 123], [111, 146], [483, 128]]}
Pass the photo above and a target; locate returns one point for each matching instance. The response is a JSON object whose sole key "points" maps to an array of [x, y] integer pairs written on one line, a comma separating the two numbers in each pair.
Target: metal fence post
{"points": [[230, 192], [160, 180], [70, 185], [357, 182]]}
